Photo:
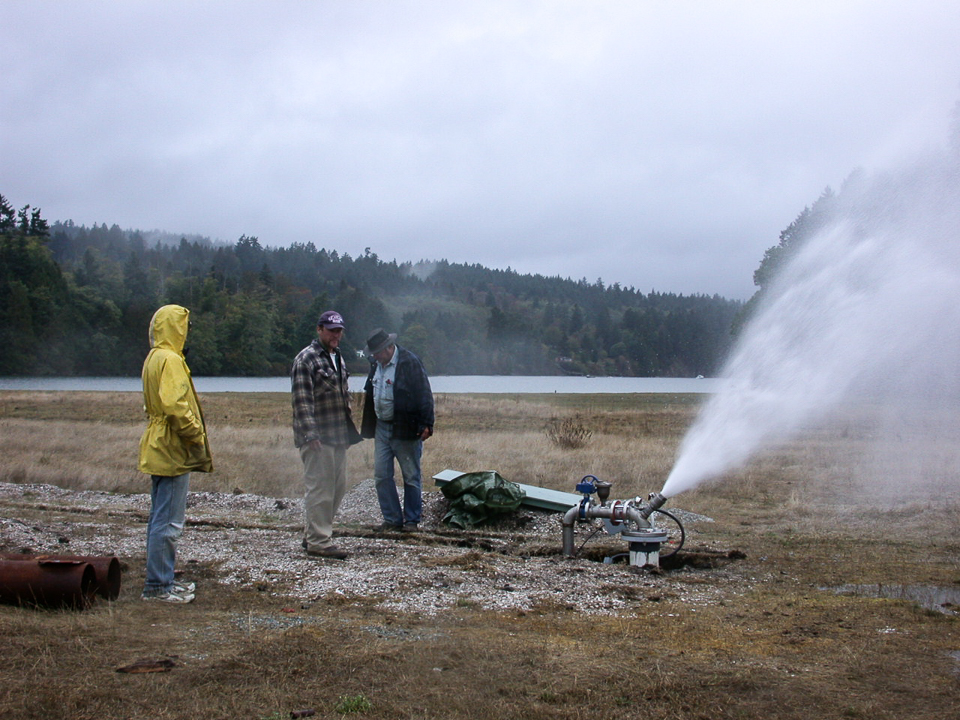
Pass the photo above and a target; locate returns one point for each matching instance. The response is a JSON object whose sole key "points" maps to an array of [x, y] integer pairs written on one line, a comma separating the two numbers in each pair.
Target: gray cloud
{"points": [[659, 145]]}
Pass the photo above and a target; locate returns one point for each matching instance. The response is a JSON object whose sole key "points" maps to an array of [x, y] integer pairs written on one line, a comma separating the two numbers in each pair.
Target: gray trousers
{"points": [[325, 482]]}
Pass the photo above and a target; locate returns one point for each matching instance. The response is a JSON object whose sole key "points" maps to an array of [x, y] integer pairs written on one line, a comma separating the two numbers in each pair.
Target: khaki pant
{"points": [[325, 482]]}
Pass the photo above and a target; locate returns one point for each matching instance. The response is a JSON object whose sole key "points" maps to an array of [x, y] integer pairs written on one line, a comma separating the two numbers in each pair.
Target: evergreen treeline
{"points": [[77, 301], [808, 223]]}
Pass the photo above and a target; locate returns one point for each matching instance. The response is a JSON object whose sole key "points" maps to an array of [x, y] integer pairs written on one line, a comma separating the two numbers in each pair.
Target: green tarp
{"points": [[476, 497]]}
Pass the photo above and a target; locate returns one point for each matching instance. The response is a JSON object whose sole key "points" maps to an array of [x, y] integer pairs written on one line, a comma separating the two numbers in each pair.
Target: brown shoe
{"points": [[332, 552], [411, 527]]}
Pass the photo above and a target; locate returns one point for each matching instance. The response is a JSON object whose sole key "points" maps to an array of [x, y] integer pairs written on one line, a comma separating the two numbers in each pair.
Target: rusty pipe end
{"points": [[107, 569], [47, 583]]}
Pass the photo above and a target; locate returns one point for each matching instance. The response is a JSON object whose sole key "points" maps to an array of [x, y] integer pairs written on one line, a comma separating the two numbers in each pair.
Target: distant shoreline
{"points": [[469, 384]]}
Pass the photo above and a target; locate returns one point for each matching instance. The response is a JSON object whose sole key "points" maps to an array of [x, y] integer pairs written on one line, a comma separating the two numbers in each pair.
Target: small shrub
{"points": [[568, 433]]}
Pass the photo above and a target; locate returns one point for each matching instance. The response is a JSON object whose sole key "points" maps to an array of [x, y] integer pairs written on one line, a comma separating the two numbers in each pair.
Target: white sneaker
{"points": [[170, 597], [184, 588]]}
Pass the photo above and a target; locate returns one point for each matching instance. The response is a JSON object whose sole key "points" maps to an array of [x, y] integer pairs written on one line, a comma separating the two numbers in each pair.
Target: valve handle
{"points": [[585, 485]]}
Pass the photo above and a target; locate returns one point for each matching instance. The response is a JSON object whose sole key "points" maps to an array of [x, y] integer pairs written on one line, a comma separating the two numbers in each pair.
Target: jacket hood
{"points": [[168, 328]]}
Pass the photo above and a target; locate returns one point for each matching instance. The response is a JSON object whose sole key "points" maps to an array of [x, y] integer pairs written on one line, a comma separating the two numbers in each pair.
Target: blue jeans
{"points": [[407, 454], [168, 509]]}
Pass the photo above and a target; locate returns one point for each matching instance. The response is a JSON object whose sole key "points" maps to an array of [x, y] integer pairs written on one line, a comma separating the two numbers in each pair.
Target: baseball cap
{"points": [[331, 319]]}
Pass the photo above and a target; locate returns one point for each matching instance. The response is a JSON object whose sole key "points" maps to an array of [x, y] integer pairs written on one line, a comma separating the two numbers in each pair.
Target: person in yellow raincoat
{"points": [[173, 445]]}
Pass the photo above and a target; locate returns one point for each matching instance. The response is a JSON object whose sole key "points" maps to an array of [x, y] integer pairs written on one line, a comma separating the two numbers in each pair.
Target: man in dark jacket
{"points": [[398, 414]]}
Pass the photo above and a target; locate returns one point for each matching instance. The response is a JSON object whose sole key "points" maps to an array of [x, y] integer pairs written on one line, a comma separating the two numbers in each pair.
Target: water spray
{"points": [[862, 311]]}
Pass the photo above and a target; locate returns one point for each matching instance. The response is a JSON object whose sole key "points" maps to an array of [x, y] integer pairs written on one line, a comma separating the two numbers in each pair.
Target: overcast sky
{"points": [[660, 144]]}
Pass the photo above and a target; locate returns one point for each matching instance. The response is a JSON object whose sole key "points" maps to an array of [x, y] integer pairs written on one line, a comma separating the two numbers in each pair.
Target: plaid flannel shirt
{"points": [[321, 397]]}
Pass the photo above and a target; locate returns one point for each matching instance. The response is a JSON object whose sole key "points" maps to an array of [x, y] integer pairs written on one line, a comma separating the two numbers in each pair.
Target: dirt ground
{"points": [[740, 623], [783, 603]]}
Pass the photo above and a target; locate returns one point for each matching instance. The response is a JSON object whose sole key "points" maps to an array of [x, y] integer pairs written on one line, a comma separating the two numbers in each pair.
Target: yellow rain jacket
{"points": [[175, 441]]}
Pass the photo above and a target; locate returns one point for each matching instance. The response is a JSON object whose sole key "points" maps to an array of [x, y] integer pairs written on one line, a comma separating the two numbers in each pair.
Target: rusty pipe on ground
{"points": [[106, 568], [47, 582]]}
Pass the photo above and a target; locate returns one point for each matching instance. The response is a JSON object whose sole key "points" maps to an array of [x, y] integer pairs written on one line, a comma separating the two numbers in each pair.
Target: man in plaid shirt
{"points": [[323, 429]]}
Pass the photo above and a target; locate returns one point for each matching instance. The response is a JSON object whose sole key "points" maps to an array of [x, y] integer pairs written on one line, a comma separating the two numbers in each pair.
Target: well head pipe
{"points": [[655, 501]]}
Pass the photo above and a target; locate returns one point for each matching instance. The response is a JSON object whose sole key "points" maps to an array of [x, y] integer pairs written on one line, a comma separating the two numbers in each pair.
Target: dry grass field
{"points": [[767, 612]]}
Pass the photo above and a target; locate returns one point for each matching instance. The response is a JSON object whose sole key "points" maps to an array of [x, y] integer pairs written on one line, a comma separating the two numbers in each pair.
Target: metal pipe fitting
{"points": [[585, 511], [603, 491], [655, 501], [569, 518]]}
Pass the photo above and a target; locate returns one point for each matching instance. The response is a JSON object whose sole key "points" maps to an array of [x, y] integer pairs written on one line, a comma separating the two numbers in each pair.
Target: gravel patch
{"points": [[245, 540]]}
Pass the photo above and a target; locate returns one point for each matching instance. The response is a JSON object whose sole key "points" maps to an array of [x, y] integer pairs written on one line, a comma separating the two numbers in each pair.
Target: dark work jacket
{"points": [[412, 399]]}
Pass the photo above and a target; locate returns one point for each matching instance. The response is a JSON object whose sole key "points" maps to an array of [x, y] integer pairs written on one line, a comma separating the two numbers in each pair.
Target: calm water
{"points": [[440, 383]]}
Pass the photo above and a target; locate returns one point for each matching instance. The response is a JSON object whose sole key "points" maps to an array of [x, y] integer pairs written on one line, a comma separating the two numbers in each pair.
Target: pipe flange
{"points": [[645, 536], [616, 523]]}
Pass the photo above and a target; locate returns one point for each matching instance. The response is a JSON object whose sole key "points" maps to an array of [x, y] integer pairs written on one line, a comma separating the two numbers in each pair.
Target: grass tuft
{"points": [[568, 433], [348, 704]]}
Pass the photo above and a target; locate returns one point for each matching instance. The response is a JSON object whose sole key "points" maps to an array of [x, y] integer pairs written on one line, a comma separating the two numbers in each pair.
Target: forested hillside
{"points": [[77, 301]]}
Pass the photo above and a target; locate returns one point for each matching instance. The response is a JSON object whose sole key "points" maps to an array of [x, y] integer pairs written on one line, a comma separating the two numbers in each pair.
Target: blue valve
{"points": [[587, 486]]}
